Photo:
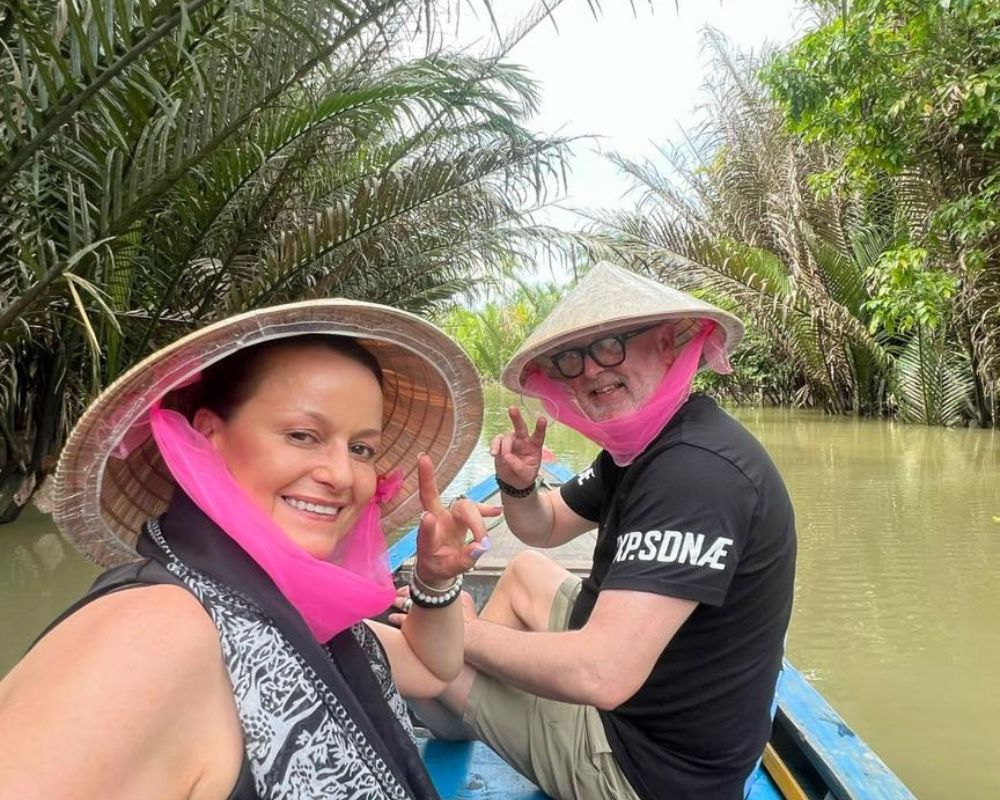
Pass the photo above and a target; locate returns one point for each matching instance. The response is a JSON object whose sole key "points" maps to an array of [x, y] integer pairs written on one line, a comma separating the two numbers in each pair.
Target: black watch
{"points": [[513, 491]]}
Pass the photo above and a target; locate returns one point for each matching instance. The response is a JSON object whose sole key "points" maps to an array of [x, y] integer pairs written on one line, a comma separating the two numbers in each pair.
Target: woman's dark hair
{"points": [[226, 385]]}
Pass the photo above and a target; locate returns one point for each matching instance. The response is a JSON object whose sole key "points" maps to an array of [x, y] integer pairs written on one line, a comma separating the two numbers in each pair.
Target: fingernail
{"points": [[483, 547]]}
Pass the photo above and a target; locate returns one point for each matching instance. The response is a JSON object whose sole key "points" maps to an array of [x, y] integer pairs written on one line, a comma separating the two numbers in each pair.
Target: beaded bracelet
{"points": [[513, 491], [428, 597]]}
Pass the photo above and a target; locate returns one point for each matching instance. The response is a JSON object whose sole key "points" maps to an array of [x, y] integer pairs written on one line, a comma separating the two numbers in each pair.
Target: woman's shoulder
{"points": [[147, 620], [155, 633], [132, 679]]}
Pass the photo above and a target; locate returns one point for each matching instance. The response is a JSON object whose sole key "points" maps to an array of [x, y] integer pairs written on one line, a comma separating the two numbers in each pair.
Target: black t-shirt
{"points": [[701, 515]]}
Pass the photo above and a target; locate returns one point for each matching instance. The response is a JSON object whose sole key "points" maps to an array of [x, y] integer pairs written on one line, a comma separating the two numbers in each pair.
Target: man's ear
{"points": [[207, 423], [665, 337]]}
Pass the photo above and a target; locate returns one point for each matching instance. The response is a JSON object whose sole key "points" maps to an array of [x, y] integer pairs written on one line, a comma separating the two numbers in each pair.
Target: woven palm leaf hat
{"points": [[609, 299], [111, 477]]}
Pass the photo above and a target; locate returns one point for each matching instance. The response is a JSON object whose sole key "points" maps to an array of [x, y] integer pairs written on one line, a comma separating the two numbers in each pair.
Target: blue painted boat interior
{"points": [[471, 771]]}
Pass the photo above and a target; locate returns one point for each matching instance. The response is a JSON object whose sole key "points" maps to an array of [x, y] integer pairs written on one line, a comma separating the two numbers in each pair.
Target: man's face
{"points": [[604, 393]]}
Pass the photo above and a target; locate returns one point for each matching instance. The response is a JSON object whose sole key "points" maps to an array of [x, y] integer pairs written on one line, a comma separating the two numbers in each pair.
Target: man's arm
{"points": [[542, 519], [636, 613], [602, 664]]}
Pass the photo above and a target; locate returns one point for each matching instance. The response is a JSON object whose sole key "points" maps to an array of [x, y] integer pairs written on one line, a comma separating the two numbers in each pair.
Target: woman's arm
{"points": [[126, 698], [427, 652]]}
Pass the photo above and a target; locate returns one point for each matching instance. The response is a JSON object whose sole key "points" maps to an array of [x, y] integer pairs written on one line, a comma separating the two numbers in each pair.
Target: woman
{"points": [[247, 465]]}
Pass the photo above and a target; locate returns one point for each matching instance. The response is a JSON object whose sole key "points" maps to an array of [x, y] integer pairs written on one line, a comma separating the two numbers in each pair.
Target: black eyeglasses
{"points": [[608, 351]]}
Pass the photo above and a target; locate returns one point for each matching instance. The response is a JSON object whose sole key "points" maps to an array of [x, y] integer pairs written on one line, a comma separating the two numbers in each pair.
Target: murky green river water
{"points": [[897, 610]]}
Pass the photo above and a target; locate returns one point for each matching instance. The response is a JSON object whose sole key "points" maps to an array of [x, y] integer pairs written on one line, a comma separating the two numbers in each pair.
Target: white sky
{"points": [[634, 79]]}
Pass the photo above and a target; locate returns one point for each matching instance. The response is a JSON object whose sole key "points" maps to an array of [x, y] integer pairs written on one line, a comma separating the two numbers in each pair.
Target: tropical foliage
{"points": [[493, 332], [858, 300], [166, 164], [908, 94], [733, 219]]}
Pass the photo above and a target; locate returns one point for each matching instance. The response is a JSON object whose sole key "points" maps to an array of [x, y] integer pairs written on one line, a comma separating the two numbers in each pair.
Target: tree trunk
{"points": [[19, 482], [984, 415]]}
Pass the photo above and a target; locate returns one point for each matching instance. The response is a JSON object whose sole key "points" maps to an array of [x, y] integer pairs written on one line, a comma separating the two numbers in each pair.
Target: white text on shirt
{"points": [[670, 547]]}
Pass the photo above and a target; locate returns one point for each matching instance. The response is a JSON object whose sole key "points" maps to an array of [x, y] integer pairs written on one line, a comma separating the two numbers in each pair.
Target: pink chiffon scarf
{"points": [[628, 435], [330, 595]]}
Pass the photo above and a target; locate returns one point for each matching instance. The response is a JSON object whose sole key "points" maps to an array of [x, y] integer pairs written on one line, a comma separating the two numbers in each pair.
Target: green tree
{"points": [[908, 92], [846, 310], [163, 165], [732, 217], [492, 333]]}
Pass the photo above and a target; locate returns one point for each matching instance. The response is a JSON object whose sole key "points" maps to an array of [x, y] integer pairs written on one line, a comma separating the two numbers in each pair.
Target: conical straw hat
{"points": [[433, 404], [610, 299]]}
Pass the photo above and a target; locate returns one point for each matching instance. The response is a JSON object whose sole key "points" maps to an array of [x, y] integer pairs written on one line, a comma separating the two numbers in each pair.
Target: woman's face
{"points": [[303, 444]]}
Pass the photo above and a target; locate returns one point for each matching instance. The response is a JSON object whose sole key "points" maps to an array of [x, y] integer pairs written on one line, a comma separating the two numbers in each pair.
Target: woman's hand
{"points": [[442, 550], [426, 654], [517, 456]]}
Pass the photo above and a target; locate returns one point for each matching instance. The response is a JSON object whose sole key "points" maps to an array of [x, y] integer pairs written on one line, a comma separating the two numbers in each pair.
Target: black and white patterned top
{"points": [[300, 740]]}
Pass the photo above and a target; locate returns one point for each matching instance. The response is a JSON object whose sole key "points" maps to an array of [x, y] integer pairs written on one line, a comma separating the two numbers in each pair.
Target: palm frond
{"points": [[165, 165], [933, 382]]}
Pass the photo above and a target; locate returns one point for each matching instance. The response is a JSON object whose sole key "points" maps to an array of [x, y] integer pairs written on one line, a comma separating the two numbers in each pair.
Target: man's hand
{"points": [[517, 456], [469, 608], [442, 550]]}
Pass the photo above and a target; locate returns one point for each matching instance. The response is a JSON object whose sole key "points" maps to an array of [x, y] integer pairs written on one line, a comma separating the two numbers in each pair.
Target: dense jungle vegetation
{"points": [[163, 165]]}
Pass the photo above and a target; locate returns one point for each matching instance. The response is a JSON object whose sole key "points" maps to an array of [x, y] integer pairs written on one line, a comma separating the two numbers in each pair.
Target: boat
{"points": [[813, 754]]}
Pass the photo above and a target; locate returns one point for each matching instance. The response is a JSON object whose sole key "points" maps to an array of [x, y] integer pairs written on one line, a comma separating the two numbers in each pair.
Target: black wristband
{"points": [[513, 491], [424, 596]]}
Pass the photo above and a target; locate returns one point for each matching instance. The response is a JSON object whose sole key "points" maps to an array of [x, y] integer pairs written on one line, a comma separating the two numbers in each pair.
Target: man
{"points": [[654, 677]]}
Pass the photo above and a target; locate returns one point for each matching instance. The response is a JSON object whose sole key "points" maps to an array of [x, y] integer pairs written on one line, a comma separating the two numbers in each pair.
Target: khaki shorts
{"points": [[560, 746]]}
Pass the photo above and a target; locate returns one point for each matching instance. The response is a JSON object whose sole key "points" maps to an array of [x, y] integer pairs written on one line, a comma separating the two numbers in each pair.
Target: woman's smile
{"points": [[313, 507]]}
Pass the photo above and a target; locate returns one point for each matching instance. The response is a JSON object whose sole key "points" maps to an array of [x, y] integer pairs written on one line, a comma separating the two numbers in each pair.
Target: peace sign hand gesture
{"points": [[517, 456], [442, 551]]}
